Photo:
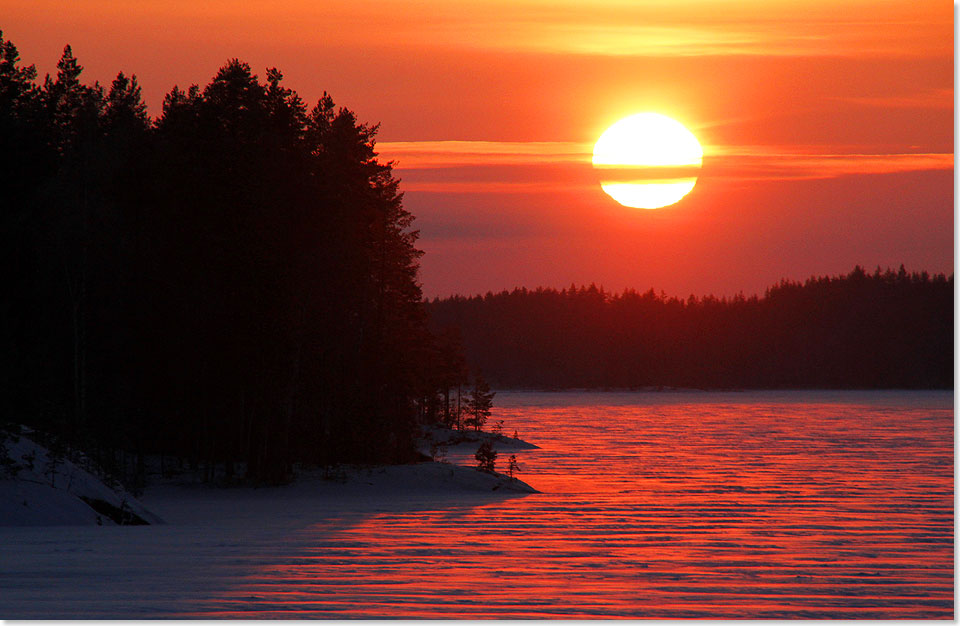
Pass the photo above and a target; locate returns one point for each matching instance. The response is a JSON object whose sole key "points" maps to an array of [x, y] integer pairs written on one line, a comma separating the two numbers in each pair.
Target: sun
{"points": [[647, 161]]}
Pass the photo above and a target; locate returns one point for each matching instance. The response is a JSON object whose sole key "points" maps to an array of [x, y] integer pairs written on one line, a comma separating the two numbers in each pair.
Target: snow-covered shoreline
{"points": [[311, 497], [215, 538], [74, 496], [212, 538]]}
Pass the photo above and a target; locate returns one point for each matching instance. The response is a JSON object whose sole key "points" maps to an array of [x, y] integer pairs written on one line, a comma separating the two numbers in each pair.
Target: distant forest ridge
{"points": [[885, 329]]}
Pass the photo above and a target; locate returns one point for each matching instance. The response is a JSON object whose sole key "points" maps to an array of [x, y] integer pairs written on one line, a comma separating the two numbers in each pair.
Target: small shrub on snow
{"points": [[486, 457]]}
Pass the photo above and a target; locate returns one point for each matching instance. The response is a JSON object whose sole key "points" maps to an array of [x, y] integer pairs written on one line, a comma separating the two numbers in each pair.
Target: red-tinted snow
{"points": [[670, 505]]}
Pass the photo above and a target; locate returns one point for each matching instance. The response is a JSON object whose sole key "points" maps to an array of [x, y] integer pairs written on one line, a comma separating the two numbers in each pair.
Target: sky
{"points": [[827, 127]]}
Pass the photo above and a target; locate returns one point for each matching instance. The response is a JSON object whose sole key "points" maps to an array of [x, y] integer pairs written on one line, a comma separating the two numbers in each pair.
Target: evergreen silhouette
{"points": [[512, 465], [233, 284], [486, 457], [478, 404]]}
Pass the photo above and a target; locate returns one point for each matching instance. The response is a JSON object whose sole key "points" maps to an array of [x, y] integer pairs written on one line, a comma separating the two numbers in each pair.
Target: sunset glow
{"points": [[815, 119]]}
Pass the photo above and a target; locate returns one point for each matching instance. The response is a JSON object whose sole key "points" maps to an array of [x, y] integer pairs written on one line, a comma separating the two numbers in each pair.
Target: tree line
{"points": [[883, 329], [233, 283]]}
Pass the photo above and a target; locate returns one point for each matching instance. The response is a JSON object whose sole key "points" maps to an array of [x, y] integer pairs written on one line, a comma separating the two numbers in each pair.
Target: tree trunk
{"points": [[459, 425]]}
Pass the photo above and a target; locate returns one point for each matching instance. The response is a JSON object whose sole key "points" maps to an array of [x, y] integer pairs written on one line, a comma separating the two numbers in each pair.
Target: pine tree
{"points": [[478, 404]]}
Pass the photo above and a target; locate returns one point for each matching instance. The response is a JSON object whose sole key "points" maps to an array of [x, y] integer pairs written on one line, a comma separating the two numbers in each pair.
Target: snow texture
{"points": [[39, 496]]}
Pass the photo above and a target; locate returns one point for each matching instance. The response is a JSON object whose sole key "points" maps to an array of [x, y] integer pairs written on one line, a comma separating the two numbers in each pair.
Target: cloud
{"points": [[655, 28], [661, 28], [665, 28], [424, 154], [469, 167], [775, 165]]}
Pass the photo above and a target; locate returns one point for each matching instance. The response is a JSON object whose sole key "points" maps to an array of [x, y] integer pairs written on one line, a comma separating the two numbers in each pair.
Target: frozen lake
{"points": [[664, 505]]}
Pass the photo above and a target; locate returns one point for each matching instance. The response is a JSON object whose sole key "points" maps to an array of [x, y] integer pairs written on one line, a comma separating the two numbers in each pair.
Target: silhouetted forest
{"points": [[881, 330], [232, 282]]}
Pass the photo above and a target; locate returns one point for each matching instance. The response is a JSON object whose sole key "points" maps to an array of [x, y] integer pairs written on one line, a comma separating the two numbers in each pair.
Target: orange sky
{"points": [[827, 126]]}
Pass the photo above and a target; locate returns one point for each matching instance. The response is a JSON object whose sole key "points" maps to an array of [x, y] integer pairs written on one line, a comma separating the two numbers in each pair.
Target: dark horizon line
{"points": [[661, 293]]}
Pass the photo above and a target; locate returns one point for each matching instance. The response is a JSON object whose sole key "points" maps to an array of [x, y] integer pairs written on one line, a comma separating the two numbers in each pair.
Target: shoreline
{"points": [[83, 499]]}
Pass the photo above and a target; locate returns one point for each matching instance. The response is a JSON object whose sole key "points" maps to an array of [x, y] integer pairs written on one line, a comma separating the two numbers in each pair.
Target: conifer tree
{"points": [[478, 404], [512, 465], [486, 457]]}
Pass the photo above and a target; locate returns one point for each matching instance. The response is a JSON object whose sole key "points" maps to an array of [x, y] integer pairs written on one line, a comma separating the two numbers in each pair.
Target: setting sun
{"points": [[649, 161]]}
